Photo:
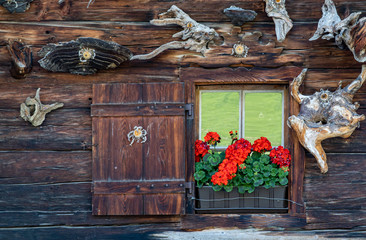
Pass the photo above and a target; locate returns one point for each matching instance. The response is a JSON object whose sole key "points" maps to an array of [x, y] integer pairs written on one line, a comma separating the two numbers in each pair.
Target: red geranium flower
{"points": [[200, 149], [262, 144], [235, 156], [212, 138], [280, 156]]}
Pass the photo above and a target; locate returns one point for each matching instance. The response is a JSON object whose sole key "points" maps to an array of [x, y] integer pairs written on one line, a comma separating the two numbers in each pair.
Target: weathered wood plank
{"points": [[146, 10], [263, 221], [240, 75], [45, 138], [44, 167], [352, 217], [340, 189], [73, 218], [46, 197], [131, 232], [61, 117]]}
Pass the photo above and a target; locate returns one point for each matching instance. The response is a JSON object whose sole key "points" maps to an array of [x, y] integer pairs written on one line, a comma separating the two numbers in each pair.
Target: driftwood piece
{"points": [[350, 31], [33, 111], [239, 16], [16, 6], [277, 10], [325, 115], [197, 36], [83, 56], [21, 56]]}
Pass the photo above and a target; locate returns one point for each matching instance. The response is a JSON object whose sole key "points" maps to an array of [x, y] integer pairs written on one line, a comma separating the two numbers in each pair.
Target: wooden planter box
{"points": [[261, 200]]}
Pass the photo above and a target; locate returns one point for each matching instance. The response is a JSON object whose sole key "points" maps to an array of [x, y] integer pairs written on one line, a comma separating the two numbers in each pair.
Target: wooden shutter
{"points": [[142, 178]]}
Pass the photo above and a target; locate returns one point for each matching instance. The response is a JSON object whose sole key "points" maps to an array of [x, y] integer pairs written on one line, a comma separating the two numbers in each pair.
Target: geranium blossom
{"points": [[235, 156], [262, 144], [212, 138], [200, 149], [281, 156]]}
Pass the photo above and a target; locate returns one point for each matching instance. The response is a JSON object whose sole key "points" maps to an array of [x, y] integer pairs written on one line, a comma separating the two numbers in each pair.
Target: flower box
{"points": [[262, 199]]}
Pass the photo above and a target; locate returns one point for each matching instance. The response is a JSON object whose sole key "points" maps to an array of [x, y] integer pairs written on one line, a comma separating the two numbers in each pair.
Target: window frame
{"points": [[243, 89], [283, 76]]}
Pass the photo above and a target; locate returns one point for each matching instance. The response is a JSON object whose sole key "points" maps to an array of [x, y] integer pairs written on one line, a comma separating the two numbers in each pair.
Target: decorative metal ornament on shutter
{"points": [[138, 134]]}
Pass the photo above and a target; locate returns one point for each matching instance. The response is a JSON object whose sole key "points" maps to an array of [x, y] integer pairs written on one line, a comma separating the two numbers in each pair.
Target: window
{"points": [[253, 111]]}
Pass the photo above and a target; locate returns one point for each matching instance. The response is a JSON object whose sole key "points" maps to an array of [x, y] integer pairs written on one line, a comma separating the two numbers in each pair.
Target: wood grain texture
{"points": [[134, 11], [44, 167], [33, 160], [160, 159], [45, 138]]}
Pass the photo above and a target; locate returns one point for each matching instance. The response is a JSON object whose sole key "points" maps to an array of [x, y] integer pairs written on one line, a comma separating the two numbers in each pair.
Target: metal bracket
{"points": [[189, 186], [189, 108]]}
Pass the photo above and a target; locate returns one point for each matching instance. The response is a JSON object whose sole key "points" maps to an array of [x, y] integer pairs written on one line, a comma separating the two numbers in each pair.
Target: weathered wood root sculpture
{"points": [[16, 6], [83, 56], [21, 56], [325, 115], [197, 36], [350, 31], [239, 16], [33, 111], [277, 10]]}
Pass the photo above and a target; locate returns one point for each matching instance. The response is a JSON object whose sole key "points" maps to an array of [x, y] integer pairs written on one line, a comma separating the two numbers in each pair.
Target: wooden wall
{"points": [[45, 172]]}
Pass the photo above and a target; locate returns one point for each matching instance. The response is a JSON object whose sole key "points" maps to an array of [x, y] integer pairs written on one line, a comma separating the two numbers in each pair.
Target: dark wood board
{"points": [[37, 167], [139, 11]]}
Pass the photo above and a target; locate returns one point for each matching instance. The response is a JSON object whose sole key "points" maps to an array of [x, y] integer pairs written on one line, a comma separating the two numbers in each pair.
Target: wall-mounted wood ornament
{"points": [[83, 56], [21, 56], [239, 16], [138, 134], [240, 50], [277, 10], [325, 115], [197, 36], [16, 6], [350, 31], [33, 111]]}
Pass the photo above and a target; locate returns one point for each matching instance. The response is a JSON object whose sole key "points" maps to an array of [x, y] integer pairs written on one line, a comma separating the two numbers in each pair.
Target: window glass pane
{"points": [[220, 113], [263, 116]]}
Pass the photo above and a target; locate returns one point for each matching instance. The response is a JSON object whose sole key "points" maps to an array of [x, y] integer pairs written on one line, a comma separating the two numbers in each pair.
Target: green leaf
{"points": [[281, 173], [216, 188], [222, 155], [228, 188], [267, 185], [205, 158], [251, 189], [264, 159], [241, 189], [199, 184], [199, 175], [248, 179], [214, 160], [256, 155], [249, 160], [258, 182], [266, 174], [274, 172], [283, 181]]}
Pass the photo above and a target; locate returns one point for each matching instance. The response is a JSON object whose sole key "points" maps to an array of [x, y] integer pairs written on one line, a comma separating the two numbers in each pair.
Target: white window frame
{"points": [[241, 109]]}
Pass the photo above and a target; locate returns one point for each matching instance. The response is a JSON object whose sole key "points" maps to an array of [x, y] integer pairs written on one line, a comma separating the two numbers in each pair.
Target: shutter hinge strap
{"points": [[189, 186], [189, 108]]}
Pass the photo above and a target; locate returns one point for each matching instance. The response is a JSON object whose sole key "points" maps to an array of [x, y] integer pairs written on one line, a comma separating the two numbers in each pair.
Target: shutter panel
{"points": [[142, 178]]}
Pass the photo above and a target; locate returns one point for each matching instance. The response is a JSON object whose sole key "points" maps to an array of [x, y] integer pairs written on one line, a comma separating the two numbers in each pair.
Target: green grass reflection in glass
{"points": [[220, 113], [263, 116]]}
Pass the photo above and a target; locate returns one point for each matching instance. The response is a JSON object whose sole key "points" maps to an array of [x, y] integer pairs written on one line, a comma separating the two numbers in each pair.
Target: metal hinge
{"points": [[189, 186], [189, 108]]}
